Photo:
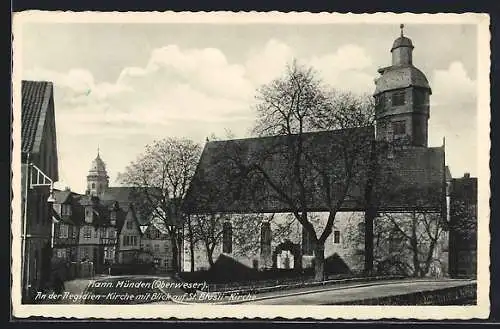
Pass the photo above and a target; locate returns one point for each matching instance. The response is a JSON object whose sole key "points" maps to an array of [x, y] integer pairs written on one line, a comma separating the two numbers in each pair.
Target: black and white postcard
{"points": [[250, 165]]}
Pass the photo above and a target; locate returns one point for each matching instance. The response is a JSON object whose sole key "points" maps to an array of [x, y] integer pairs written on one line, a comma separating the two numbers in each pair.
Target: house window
{"points": [[399, 127], [336, 237], [129, 224], [113, 216], [157, 248], [73, 232], [87, 232], [66, 210], [85, 252], [96, 232], [398, 98], [63, 231], [61, 253], [88, 214]]}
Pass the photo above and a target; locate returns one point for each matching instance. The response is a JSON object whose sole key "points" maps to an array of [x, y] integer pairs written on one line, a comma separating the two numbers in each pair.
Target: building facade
{"points": [[463, 227], [156, 242], [39, 170], [103, 227]]}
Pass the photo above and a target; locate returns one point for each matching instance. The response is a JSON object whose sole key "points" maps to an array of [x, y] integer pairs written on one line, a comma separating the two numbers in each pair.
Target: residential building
{"points": [[156, 242], [463, 227], [39, 170]]}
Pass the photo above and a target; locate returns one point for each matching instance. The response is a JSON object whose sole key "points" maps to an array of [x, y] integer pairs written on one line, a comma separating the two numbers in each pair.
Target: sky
{"points": [[119, 87]]}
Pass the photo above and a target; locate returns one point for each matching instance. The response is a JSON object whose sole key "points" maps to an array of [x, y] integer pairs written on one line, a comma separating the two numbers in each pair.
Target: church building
{"points": [[410, 194]]}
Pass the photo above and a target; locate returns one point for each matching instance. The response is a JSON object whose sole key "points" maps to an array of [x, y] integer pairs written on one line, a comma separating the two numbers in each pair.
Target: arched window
{"points": [[93, 185]]}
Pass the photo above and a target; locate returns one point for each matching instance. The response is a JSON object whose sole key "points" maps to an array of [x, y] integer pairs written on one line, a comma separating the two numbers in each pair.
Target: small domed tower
{"points": [[402, 98], [97, 179]]}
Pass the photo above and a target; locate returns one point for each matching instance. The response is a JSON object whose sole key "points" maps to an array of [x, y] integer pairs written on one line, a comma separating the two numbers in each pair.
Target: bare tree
{"points": [[292, 106], [161, 177]]}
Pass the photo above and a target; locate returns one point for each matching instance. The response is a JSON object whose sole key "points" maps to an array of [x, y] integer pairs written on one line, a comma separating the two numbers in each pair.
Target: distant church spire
{"points": [[97, 178]]}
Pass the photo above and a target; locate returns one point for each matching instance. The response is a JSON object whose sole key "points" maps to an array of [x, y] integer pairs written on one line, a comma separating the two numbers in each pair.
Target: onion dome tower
{"points": [[402, 98]]}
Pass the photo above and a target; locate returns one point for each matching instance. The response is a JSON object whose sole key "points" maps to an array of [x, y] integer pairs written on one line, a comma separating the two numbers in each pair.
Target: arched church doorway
{"points": [[287, 255]]}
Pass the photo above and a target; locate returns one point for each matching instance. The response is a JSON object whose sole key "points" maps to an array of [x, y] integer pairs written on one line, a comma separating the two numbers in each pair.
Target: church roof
{"points": [[402, 42], [98, 167], [397, 77], [221, 184]]}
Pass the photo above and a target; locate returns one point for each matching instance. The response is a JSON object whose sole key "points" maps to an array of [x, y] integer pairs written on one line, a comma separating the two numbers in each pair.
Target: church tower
{"points": [[402, 98], [97, 179]]}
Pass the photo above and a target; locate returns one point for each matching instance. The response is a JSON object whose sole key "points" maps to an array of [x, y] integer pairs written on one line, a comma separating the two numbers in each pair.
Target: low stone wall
{"points": [[263, 287], [461, 295]]}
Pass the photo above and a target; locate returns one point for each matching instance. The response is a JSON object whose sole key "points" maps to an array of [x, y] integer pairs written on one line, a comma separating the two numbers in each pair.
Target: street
{"points": [[156, 290], [324, 296]]}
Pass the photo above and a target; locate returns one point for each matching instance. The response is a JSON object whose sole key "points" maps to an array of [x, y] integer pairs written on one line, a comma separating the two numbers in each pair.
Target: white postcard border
{"points": [[481, 310]]}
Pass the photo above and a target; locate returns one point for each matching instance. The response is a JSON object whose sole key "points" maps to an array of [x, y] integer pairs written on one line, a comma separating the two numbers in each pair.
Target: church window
{"points": [[336, 237], [418, 97], [399, 127], [398, 98], [93, 185], [380, 103]]}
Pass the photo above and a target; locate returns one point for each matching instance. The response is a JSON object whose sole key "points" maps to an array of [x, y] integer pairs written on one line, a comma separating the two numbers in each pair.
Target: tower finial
{"points": [[402, 26], [97, 149]]}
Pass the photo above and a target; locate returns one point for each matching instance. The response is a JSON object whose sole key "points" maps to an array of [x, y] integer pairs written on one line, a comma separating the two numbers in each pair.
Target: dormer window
{"points": [[88, 214], [66, 209], [112, 217], [398, 98]]}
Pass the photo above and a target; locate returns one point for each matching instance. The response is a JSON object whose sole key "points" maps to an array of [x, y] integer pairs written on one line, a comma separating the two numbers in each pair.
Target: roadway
{"points": [[353, 292], [123, 286]]}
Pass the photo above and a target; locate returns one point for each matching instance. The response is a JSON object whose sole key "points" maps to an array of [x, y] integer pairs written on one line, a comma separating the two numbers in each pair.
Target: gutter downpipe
{"points": [[25, 271]]}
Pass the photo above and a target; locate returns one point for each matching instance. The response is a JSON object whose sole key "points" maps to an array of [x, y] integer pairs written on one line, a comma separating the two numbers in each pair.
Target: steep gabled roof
{"points": [[35, 102], [62, 196], [223, 183]]}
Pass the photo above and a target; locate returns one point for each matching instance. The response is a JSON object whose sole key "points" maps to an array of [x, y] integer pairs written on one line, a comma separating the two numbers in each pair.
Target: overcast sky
{"points": [[121, 86]]}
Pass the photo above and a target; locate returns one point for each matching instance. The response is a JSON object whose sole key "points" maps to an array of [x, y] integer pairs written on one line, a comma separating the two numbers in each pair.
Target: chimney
{"points": [[467, 175]]}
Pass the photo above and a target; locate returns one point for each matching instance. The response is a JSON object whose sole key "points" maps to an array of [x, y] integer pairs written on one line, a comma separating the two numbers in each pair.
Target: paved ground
{"points": [[124, 289], [322, 296], [146, 293]]}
